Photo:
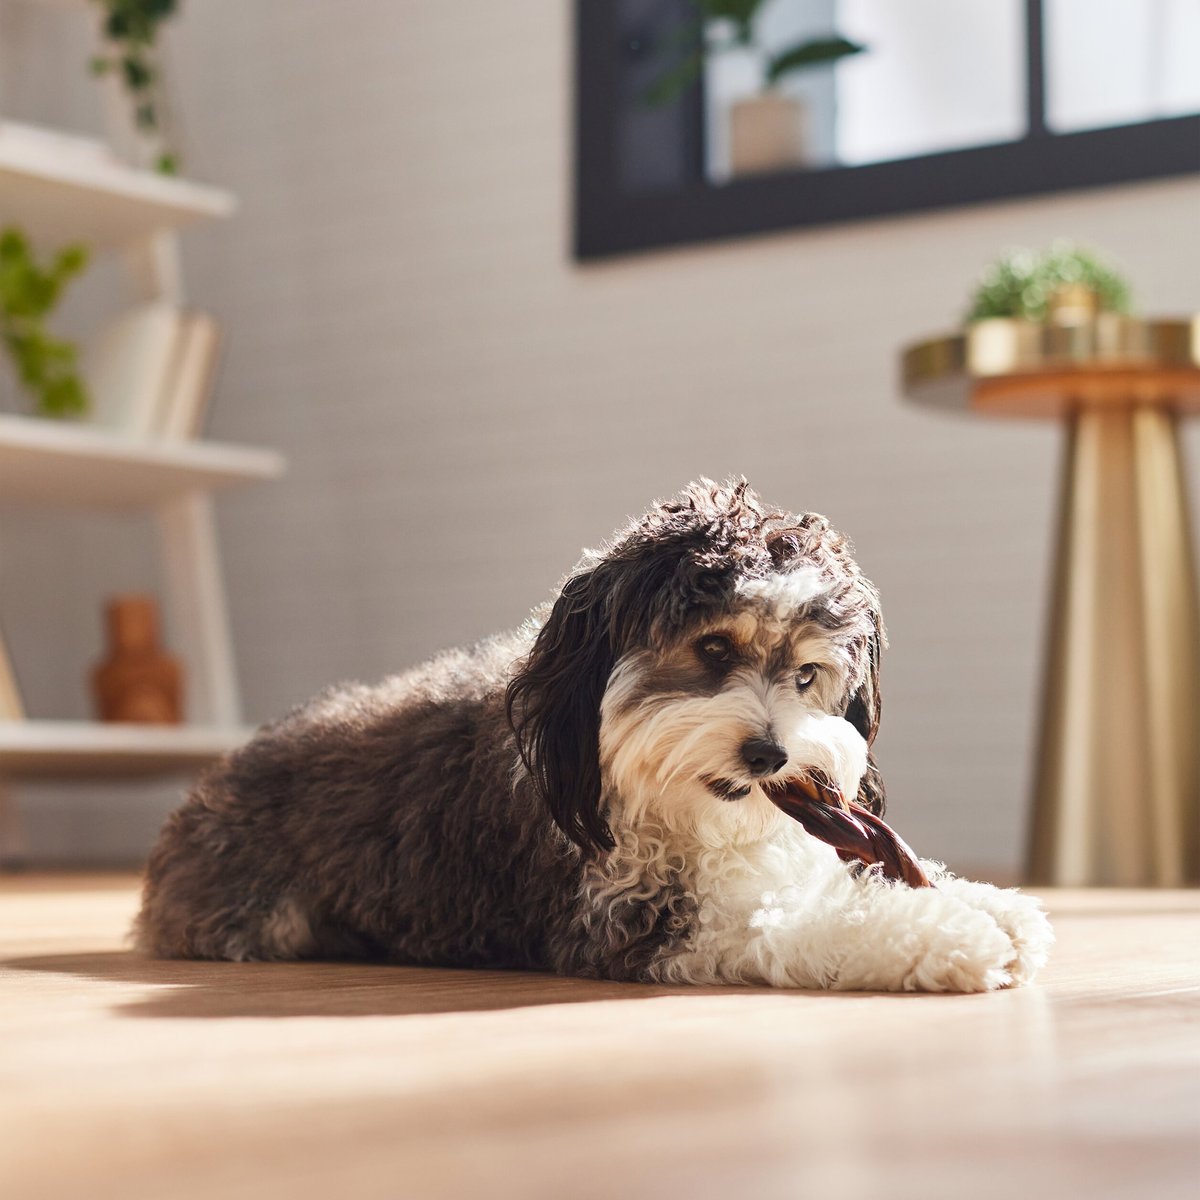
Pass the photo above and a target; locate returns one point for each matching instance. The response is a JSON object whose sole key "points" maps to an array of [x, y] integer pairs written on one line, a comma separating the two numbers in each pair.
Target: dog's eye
{"points": [[806, 675], [715, 649]]}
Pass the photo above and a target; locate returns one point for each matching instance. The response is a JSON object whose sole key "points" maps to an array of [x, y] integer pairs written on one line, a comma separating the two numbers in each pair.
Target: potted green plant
{"points": [[767, 131], [1065, 284], [46, 366], [131, 65]]}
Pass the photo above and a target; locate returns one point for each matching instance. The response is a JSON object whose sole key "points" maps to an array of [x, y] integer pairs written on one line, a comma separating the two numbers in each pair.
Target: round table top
{"points": [[1032, 369]]}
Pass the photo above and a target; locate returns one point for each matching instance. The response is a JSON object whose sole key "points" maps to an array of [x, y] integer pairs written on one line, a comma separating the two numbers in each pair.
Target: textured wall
{"points": [[463, 407]]}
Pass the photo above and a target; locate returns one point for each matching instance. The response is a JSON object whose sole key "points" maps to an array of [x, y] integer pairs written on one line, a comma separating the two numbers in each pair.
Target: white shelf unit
{"points": [[59, 194], [109, 206], [63, 464], [51, 464], [89, 750]]}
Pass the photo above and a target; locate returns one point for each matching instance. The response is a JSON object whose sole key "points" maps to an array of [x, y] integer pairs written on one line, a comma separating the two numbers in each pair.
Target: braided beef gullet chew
{"points": [[855, 833]]}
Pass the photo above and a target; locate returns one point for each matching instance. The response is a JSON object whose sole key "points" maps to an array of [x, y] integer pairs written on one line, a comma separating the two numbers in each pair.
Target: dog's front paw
{"points": [[1020, 916], [965, 951], [922, 940]]}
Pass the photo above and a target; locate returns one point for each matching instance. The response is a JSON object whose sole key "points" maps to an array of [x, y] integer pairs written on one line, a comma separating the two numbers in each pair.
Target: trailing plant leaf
{"points": [[71, 260], [136, 20], [673, 83], [46, 366], [63, 395], [810, 54], [138, 74], [741, 12]]}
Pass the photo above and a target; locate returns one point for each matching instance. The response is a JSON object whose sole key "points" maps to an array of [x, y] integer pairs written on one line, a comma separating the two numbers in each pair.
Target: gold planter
{"points": [[1117, 794]]}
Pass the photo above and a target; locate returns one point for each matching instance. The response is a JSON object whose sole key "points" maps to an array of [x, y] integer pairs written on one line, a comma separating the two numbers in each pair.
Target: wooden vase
{"points": [[137, 681]]}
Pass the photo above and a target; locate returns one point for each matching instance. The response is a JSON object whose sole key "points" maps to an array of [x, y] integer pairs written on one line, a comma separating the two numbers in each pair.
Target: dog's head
{"points": [[714, 647]]}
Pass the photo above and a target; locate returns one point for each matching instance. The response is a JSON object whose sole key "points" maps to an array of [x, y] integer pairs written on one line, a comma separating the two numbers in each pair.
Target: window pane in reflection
{"points": [[1115, 62], [939, 75], [936, 75]]}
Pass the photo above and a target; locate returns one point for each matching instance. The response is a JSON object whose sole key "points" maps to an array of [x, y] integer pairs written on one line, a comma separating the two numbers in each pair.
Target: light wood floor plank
{"points": [[131, 1078]]}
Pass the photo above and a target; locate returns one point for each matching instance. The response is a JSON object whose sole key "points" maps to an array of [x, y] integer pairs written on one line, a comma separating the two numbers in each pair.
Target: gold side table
{"points": [[1117, 798]]}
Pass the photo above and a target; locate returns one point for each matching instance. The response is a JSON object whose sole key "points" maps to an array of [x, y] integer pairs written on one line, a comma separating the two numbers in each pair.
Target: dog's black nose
{"points": [[763, 756]]}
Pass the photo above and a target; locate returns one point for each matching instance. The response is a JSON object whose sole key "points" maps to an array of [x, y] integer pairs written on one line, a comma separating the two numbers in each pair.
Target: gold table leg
{"points": [[14, 848], [1118, 787]]}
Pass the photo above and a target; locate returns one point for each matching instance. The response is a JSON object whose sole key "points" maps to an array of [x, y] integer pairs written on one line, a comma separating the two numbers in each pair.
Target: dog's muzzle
{"points": [[763, 757]]}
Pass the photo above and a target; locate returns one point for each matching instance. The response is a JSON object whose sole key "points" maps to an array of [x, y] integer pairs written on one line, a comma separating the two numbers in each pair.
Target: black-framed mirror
{"points": [[942, 103]]}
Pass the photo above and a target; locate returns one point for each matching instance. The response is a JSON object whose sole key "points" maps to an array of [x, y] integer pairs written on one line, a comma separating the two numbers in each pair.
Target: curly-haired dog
{"points": [[586, 794]]}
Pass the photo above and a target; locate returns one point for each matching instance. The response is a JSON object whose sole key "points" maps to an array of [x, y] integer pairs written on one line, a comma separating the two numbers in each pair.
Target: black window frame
{"points": [[610, 220]]}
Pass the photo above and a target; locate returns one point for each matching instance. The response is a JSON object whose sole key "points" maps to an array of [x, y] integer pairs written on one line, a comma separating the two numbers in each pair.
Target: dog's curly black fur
{"points": [[395, 821], [586, 794]]}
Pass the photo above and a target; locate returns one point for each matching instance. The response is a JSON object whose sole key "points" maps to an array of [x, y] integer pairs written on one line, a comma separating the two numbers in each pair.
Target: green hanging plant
{"points": [[131, 27], [692, 43], [1024, 284], [29, 292]]}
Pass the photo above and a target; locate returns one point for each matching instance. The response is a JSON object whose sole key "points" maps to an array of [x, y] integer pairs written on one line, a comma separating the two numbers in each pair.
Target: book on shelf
{"points": [[11, 707], [189, 383], [126, 364], [150, 370]]}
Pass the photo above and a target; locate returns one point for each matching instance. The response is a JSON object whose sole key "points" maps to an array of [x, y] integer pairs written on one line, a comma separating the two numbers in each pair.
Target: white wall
{"points": [[464, 407]]}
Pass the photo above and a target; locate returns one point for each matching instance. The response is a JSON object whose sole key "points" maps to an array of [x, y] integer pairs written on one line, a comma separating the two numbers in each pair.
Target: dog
{"points": [[589, 794]]}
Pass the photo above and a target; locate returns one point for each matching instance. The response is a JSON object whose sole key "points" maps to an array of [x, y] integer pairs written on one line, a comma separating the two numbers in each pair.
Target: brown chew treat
{"points": [[852, 831]]}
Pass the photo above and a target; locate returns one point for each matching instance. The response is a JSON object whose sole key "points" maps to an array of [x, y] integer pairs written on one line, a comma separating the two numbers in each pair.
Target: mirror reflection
{"points": [[720, 90], [1116, 62], [932, 75]]}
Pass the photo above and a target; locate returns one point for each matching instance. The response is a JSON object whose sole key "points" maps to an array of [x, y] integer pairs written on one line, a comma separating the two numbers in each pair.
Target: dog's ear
{"points": [[871, 793], [863, 712], [553, 706], [865, 706], [553, 700]]}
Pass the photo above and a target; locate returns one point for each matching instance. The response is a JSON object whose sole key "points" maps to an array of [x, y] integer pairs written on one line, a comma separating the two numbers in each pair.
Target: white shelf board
{"points": [[58, 198], [59, 463], [62, 749]]}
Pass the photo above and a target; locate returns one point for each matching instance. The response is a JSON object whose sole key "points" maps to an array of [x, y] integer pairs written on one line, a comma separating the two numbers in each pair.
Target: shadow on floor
{"points": [[219, 989]]}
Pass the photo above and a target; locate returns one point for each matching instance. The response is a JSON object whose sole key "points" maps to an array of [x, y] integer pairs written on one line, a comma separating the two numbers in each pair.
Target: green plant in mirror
{"points": [[695, 41], [1025, 284], [131, 29], [29, 293]]}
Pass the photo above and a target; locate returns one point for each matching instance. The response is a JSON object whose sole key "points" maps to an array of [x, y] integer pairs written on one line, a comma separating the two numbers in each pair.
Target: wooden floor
{"points": [[130, 1078]]}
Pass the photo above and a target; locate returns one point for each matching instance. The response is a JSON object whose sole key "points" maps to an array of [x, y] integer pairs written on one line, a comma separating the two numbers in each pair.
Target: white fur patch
{"points": [[782, 595], [785, 911]]}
